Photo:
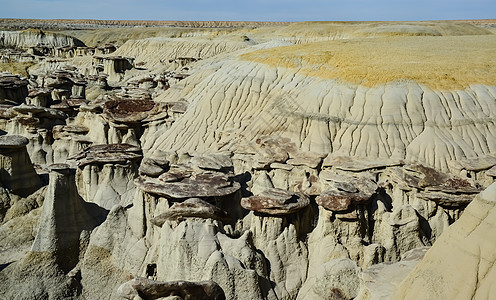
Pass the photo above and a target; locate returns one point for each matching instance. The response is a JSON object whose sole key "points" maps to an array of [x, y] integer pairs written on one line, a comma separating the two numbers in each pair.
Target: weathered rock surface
{"points": [[18, 174], [33, 37], [196, 251], [106, 173], [380, 281], [275, 202], [345, 192], [102, 154], [360, 127], [461, 262], [337, 280], [203, 176], [13, 88], [270, 161], [191, 208], [65, 218], [151, 289]]}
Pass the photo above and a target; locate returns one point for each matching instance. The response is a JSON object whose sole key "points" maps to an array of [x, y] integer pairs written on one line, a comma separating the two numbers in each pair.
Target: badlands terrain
{"points": [[244, 160]]}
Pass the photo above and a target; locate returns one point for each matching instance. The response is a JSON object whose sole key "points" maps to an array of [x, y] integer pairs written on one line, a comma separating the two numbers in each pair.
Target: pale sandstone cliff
{"points": [[31, 37]]}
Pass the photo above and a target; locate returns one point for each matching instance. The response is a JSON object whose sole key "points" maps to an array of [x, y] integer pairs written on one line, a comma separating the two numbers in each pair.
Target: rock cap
{"points": [[191, 208], [276, 201], [13, 141]]}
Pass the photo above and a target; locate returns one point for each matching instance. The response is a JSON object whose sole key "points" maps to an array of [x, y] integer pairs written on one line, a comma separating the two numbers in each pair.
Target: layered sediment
{"points": [[288, 161]]}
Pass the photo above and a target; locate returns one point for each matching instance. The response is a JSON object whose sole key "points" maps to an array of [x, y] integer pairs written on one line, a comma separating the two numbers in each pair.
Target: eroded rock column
{"points": [[66, 219], [16, 170]]}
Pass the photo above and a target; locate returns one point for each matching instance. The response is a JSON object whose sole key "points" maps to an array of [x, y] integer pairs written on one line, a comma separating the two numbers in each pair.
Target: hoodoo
{"points": [[247, 160]]}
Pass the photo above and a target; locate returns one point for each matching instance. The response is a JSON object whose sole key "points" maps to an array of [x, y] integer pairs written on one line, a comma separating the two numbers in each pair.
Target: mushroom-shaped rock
{"points": [[64, 216], [275, 202], [447, 200], [18, 173], [39, 97], [421, 177], [13, 88], [345, 191], [191, 208], [111, 153], [115, 64], [337, 200], [106, 173], [198, 185], [127, 111], [13, 141], [143, 288], [40, 113]]}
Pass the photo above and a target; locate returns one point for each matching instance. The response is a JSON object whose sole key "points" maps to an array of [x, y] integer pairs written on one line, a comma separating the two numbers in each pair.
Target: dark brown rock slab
{"points": [[191, 208], [265, 151], [198, 186], [427, 176], [127, 110], [149, 289], [447, 200], [337, 200], [416, 176], [76, 103], [153, 167], [179, 107], [76, 129], [71, 132], [39, 112], [108, 153], [176, 173], [457, 185], [344, 191], [274, 149], [276, 202]]}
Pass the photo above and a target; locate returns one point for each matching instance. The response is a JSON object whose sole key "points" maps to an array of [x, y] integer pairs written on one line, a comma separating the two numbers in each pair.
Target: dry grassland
{"points": [[440, 62]]}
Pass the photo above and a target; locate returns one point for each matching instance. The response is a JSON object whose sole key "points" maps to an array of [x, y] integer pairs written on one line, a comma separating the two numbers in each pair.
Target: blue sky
{"points": [[258, 10]]}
